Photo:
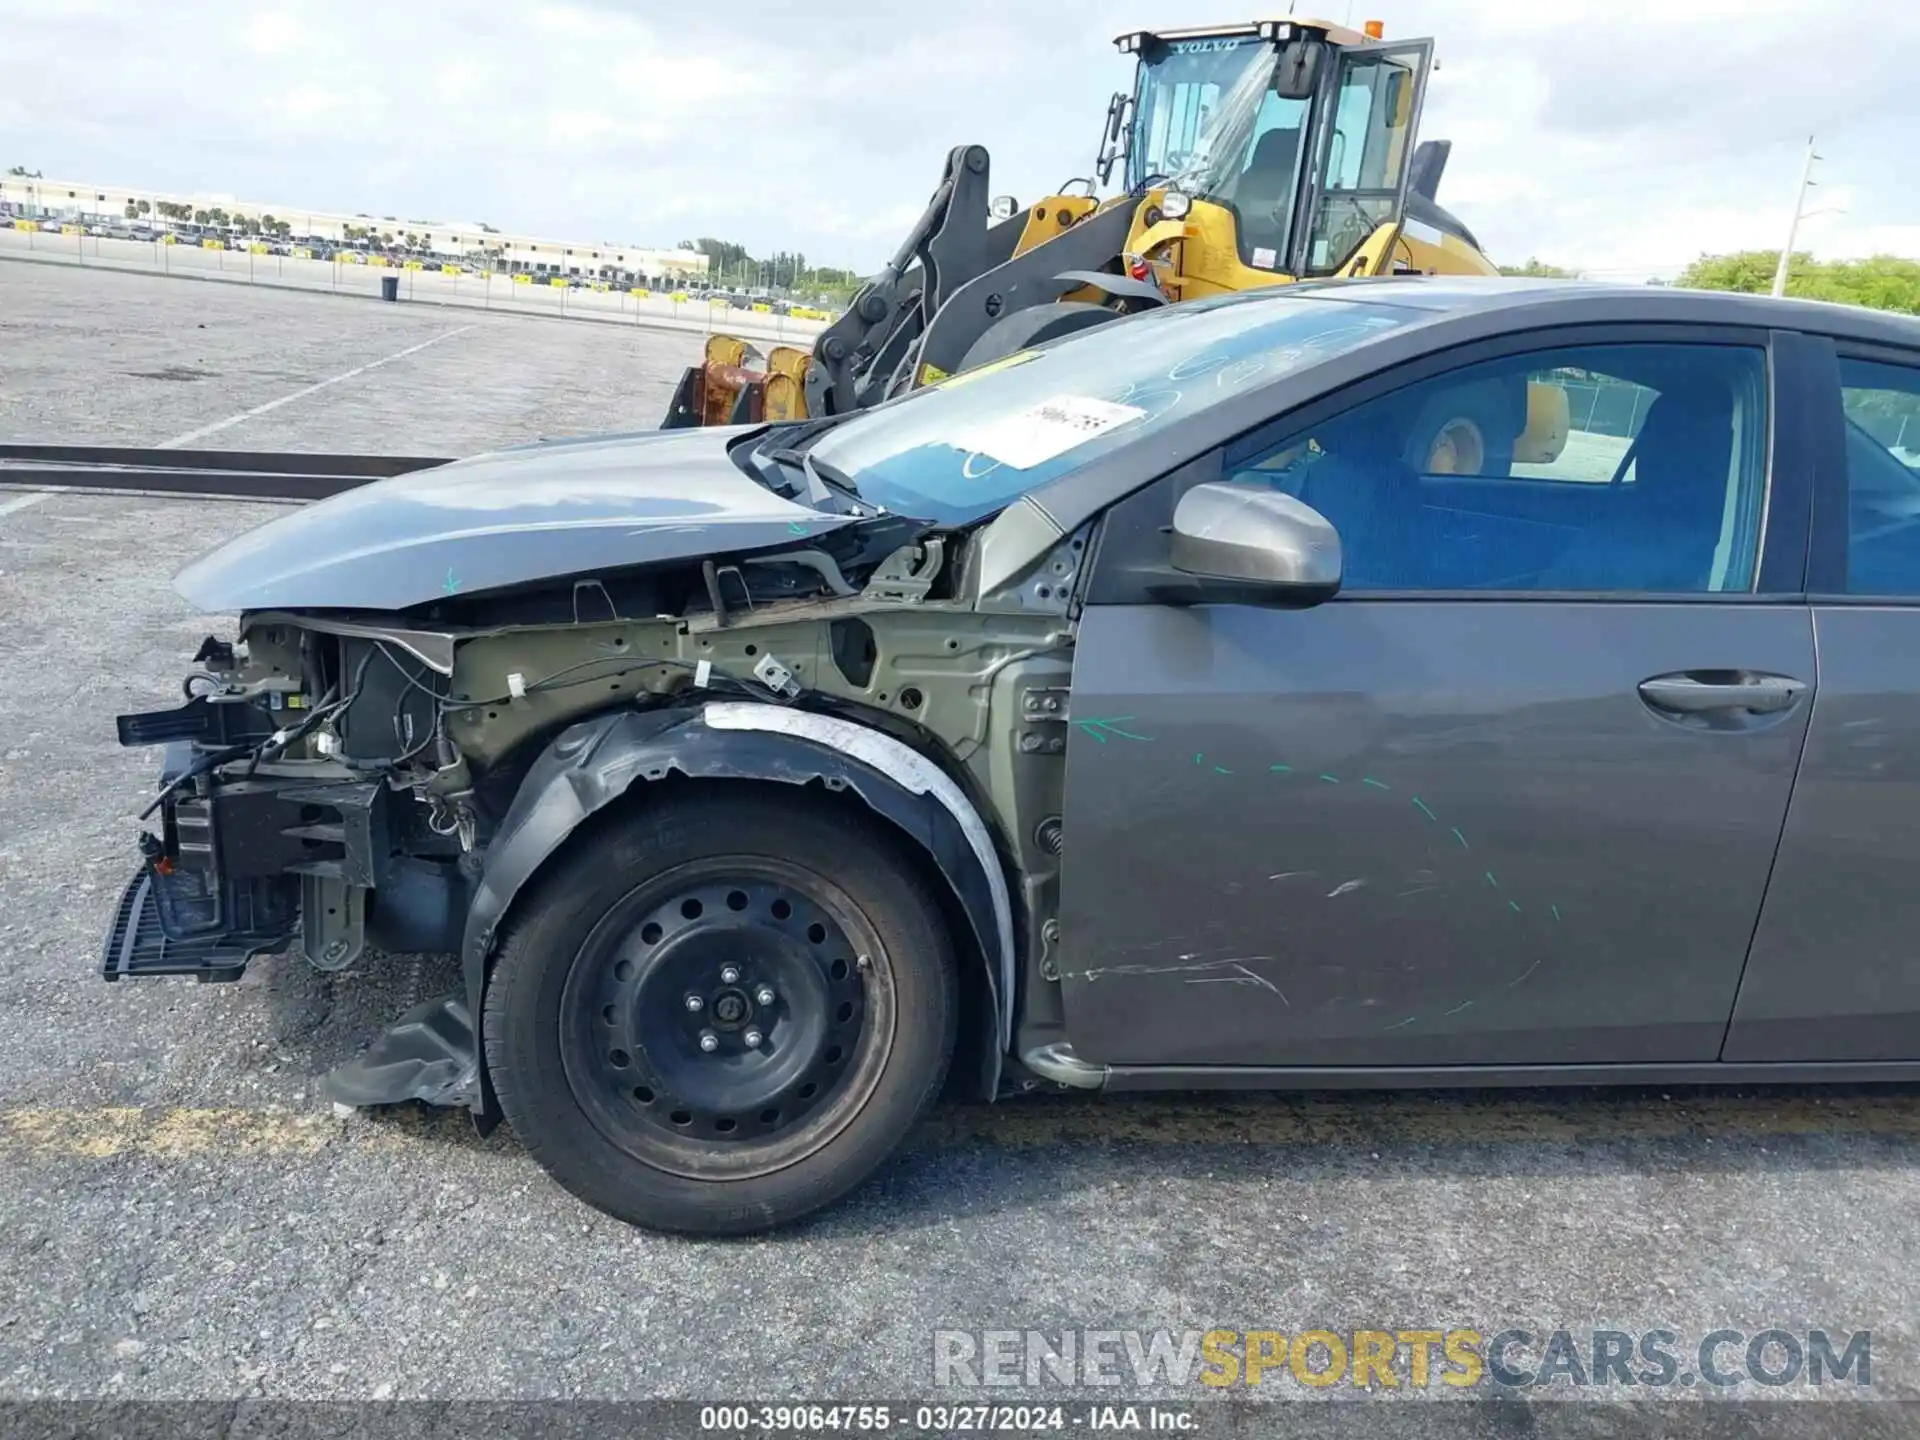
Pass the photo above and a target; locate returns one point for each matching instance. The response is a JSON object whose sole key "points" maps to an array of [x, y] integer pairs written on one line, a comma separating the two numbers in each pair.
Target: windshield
{"points": [[1208, 122], [961, 450]]}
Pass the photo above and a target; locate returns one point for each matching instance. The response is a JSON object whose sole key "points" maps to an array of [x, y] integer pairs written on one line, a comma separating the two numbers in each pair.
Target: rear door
{"points": [[1513, 796], [1835, 973]]}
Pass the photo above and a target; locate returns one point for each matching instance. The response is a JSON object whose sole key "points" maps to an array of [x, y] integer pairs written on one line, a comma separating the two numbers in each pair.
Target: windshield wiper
{"points": [[831, 473], [820, 475]]}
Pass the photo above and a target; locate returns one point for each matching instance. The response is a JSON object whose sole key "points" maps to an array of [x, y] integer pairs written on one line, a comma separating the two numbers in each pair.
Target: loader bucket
{"points": [[786, 384], [728, 388]]}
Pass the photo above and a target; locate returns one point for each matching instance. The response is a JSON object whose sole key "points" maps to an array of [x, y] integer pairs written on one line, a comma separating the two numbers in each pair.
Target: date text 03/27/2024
{"points": [[942, 1419]]}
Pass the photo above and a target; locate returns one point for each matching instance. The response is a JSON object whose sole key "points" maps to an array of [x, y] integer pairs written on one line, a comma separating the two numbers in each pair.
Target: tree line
{"points": [[1879, 282], [732, 264]]}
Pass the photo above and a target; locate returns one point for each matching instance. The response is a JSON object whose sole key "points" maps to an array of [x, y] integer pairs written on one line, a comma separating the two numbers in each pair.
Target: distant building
{"points": [[465, 241]]}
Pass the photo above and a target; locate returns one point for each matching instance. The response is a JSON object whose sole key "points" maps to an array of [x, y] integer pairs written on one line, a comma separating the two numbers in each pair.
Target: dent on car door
{"points": [[1833, 975], [1511, 798]]}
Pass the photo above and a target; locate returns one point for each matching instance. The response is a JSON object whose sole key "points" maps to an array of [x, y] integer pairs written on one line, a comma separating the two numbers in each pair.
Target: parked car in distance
{"points": [[1404, 682]]}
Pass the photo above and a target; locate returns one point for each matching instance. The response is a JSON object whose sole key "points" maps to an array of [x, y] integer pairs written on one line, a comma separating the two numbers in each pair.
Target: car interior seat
{"points": [[1660, 530], [1264, 188], [1372, 497]]}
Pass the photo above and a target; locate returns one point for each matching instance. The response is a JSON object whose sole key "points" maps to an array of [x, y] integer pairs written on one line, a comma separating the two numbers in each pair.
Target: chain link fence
{"points": [[1601, 406], [424, 281]]}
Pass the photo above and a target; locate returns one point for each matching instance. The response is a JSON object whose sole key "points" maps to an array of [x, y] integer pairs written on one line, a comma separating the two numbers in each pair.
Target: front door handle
{"points": [[1696, 692]]}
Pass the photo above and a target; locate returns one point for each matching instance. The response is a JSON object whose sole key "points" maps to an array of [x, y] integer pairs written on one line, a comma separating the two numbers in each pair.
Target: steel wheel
{"points": [[619, 963], [727, 1017]]}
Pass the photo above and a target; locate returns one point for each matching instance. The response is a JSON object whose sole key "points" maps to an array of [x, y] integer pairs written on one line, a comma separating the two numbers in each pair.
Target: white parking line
{"points": [[205, 430], [21, 502], [34, 497]]}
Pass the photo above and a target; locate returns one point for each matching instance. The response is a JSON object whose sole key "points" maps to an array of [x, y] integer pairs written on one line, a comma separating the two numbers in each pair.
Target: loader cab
{"points": [[1302, 133]]}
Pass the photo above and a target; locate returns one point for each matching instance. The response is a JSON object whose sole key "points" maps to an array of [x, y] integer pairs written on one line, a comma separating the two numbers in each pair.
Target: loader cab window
{"points": [[1375, 118], [1184, 93], [1261, 195], [1207, 119]]}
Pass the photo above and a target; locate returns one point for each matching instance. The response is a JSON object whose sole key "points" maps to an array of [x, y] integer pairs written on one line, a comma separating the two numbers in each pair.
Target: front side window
{"points": [[1882, 404], [1627, 469]]}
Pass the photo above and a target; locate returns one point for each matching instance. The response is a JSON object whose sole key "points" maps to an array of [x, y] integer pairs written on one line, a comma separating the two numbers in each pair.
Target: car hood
{"points": [[536, 512]]}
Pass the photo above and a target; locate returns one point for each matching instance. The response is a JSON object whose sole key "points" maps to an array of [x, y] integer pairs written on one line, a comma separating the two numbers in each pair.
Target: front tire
{"points": [[1469, 432], [722, 1012]]}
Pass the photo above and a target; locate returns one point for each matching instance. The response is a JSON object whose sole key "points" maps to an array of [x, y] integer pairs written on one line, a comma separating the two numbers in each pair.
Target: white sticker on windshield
{"points": [[1037, 434], [1264, 257]]}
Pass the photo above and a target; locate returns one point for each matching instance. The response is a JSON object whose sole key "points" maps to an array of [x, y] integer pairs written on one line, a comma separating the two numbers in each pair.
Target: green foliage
{"points": [[730, 264], [1880, 282], [1540, 269]]}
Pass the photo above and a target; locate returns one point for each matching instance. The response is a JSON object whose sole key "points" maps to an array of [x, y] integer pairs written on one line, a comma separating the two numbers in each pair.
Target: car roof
{"points": [[1626, 303]]}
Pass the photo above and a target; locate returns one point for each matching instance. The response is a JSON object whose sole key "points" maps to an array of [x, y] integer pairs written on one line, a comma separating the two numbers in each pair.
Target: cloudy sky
{"points": [[1621, 136]]}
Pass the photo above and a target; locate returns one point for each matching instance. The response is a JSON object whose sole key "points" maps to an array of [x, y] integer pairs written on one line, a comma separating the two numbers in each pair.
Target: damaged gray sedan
{"points": [[1384, 683]]}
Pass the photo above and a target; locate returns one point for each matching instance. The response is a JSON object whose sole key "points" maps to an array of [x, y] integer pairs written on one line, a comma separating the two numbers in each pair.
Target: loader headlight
{"points": [[1175, 205], [1002, 207]]}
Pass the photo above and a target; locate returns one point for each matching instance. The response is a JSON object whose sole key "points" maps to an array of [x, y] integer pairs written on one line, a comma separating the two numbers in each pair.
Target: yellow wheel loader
{"points": [[1250, 155]]}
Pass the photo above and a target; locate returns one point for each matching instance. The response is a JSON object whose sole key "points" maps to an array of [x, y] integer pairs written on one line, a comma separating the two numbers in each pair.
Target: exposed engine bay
{"points": [[343, 782]]}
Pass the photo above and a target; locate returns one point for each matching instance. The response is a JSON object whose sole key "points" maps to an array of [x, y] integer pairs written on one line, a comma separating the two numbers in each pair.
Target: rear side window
{"points": [[1882, 404]]}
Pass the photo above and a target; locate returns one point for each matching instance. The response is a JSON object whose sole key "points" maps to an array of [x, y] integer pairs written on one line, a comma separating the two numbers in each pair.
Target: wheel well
{"points": [[976, 1045]]}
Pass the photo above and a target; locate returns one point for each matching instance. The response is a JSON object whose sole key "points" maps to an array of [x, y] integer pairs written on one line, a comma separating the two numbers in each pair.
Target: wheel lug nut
{"points": [[709, 1041], [694, 1002], [764, 994], [729, 974], [753, 1039]]}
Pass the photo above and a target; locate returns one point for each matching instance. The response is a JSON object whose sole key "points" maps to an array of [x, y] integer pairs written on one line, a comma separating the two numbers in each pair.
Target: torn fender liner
{"points": [[594, 763], [427, 1054], [912, 770]]}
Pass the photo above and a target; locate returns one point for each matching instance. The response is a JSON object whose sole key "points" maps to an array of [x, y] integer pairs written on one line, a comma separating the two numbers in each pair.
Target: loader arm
{"points": [[866, 355], [859, 358], [1020, 283]]}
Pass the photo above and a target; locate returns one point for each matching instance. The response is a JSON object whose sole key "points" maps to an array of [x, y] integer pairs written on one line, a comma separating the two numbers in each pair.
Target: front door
{"points": [[1363, 157], [1512, 798]]}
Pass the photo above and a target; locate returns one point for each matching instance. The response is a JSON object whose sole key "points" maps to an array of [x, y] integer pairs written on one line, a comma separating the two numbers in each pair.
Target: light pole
{"points": [[1793, 225]]}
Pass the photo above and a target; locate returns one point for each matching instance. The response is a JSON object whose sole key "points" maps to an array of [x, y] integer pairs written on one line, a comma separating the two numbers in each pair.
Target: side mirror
{"points": [[1002, 207], [1259, 540], [1298, 72]]}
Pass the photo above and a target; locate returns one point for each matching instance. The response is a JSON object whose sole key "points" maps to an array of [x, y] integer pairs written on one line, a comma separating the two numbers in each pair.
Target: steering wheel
{"points": [[1359, 224]]}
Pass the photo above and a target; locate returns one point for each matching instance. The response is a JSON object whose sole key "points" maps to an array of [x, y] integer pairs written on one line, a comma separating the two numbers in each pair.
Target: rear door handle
{"points": [[1694, 692]]}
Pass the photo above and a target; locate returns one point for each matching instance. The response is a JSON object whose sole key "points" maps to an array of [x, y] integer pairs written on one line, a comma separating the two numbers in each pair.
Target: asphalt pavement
{"points": [[182, 1215]]}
